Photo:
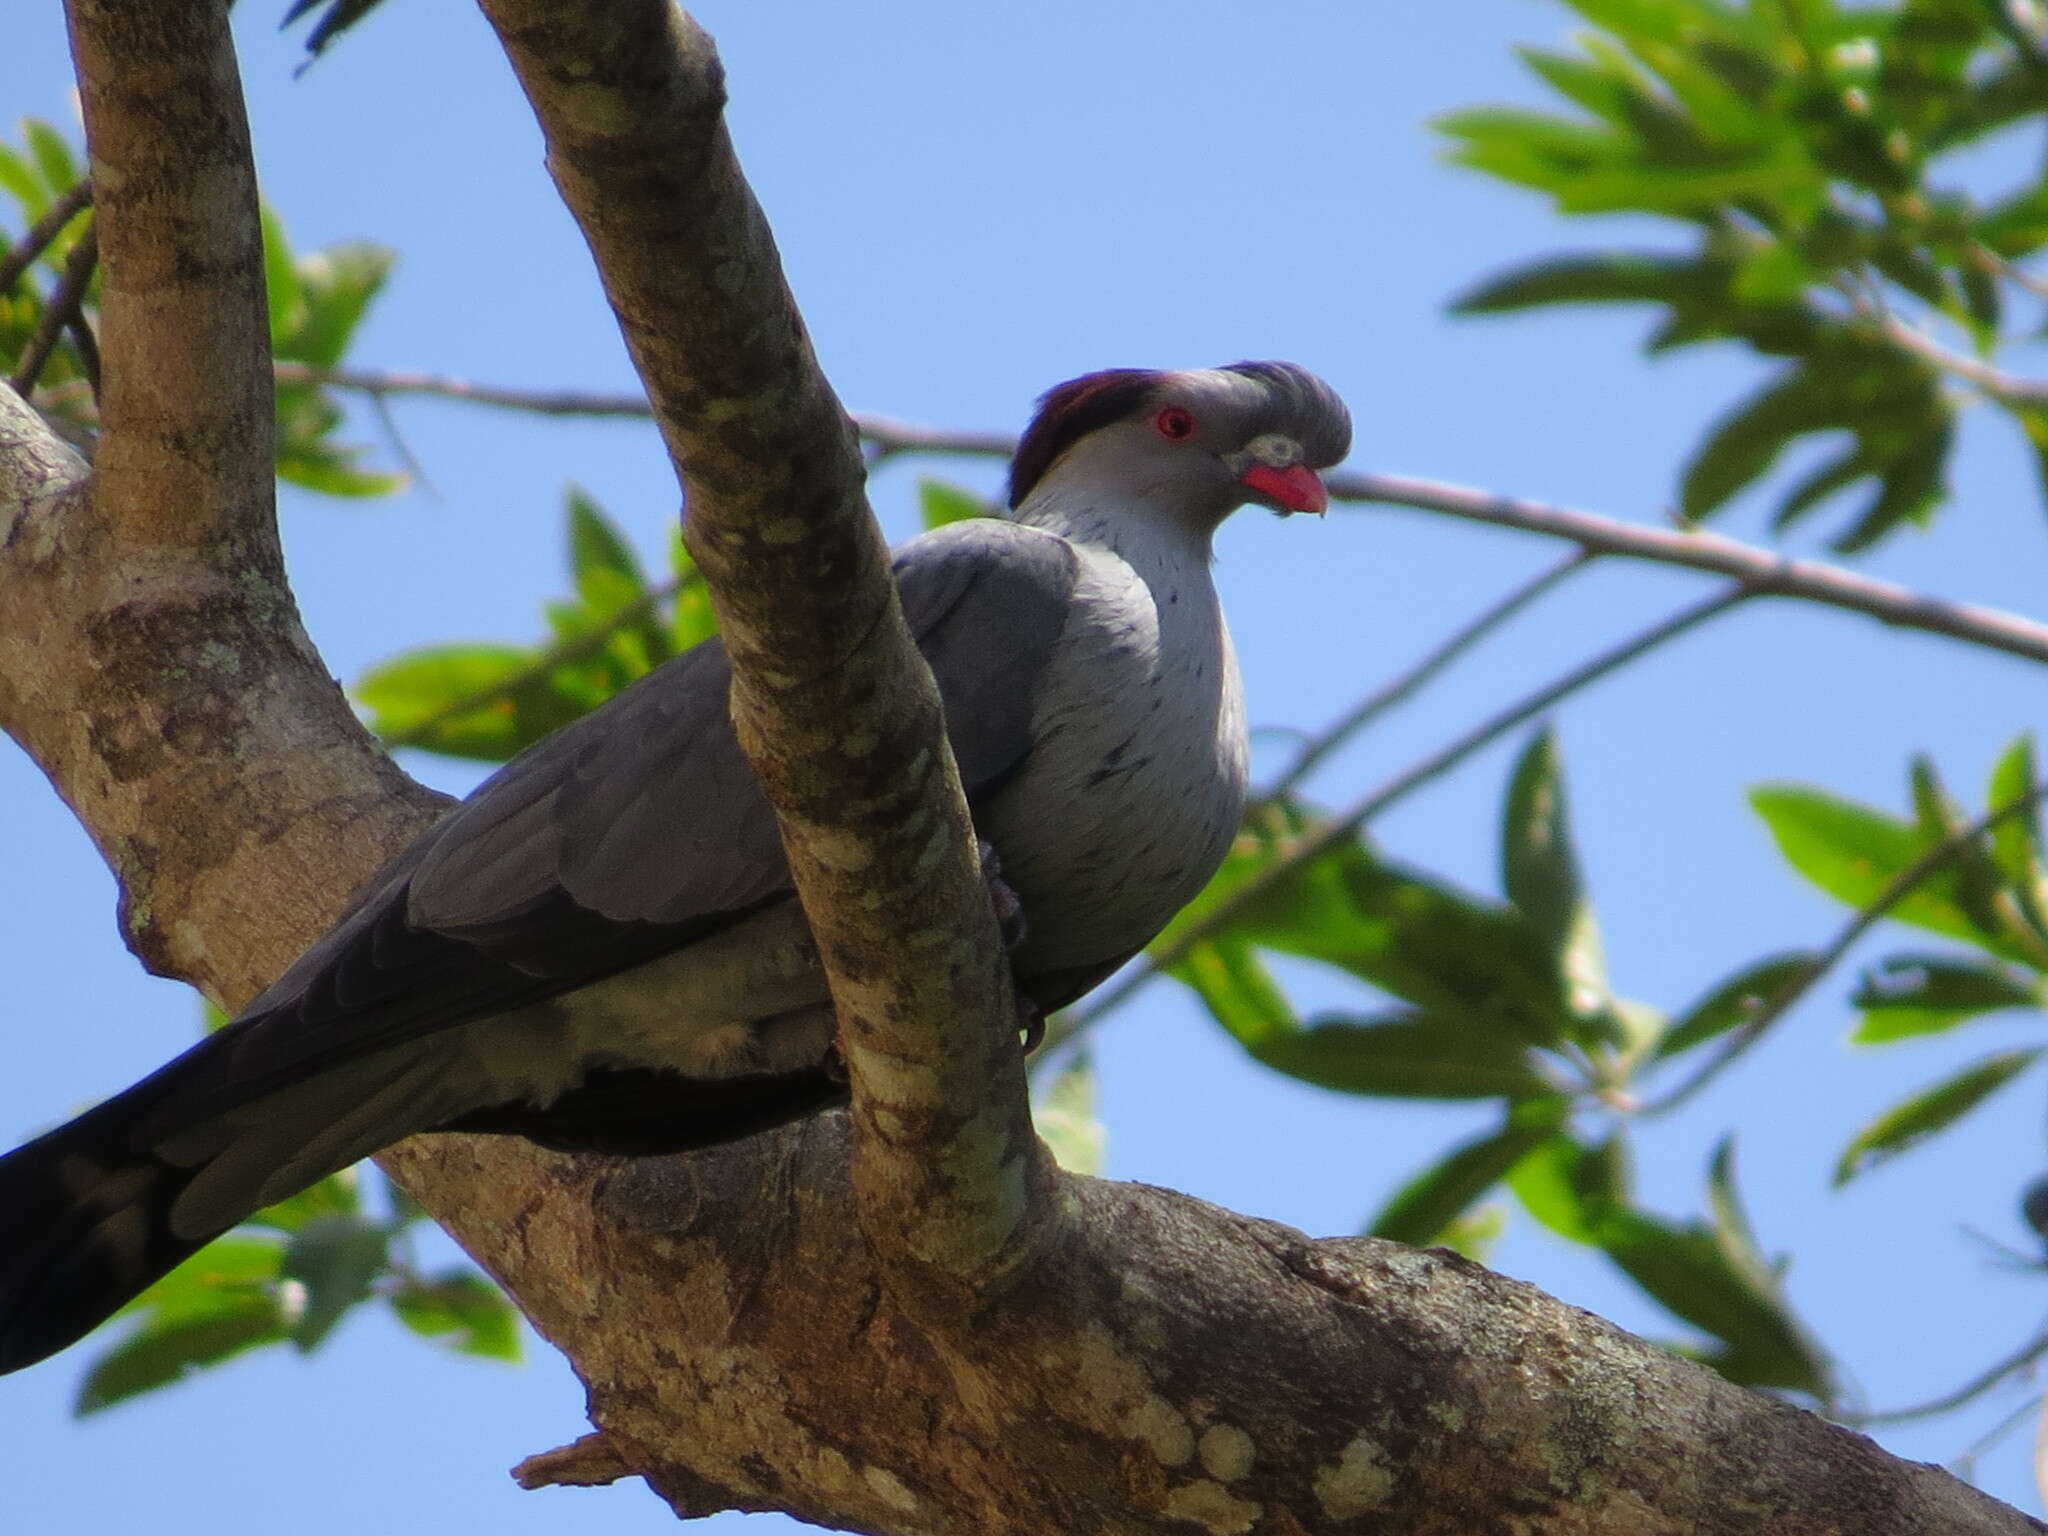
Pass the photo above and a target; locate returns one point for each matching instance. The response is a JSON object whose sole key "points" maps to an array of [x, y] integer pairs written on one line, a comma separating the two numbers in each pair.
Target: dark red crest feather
{"points": [[1069, 412]]}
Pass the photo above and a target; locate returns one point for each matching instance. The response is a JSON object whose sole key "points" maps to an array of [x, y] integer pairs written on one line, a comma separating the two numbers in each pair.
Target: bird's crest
{"points": [[1069, 412]]}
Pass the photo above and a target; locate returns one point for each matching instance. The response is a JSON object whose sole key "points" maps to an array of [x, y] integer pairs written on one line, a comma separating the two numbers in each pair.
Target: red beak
{"points": [[1293, 489]]}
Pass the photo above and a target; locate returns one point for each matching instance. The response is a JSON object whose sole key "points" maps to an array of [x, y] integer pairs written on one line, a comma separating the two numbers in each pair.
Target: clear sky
{"points": [[973, 203]]}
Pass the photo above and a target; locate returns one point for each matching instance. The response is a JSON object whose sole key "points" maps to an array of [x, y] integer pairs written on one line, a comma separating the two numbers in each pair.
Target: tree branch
{"points": [[63, 309], [873, 819], [1696, 549], [735, 1314]]}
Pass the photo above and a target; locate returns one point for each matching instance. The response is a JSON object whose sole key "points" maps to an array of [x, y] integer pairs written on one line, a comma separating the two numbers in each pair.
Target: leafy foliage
{"points": [[1503, 1001], [1805, 154], [34, 173], [490, 702], [1979, 882], [289, 1276]]}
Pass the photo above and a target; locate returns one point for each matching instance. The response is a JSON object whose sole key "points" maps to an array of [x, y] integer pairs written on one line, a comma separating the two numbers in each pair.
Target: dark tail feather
{"points": [[85, 1225]]}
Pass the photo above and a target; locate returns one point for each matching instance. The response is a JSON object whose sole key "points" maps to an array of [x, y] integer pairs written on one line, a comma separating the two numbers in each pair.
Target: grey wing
{"points": [[637, 829]]}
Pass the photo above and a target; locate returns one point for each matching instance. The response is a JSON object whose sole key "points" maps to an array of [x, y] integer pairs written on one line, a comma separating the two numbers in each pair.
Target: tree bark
{"points": [[898, 1320]]}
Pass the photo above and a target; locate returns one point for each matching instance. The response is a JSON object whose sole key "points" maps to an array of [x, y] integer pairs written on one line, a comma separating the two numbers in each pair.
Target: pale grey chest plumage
{"points": [[1136, 780]]}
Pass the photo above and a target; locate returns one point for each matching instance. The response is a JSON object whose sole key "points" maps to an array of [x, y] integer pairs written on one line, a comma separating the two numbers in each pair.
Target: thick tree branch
{"points": [[148, 629], [1169, 1366], [837, 713]]}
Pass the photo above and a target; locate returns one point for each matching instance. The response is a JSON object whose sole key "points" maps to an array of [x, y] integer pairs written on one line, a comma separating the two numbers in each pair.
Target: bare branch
{"points": [[185, 458], [590, 1461], [1696, 549], [873, 821], [62, 309], [1170, 1366], [384, 384], [1763, 573], [1975, 1387], [1996, 384], [22, 255]]}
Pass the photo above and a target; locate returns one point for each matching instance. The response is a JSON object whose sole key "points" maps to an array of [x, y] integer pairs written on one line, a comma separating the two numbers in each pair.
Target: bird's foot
{"points": [[1009, 907], [1030, 1024]]}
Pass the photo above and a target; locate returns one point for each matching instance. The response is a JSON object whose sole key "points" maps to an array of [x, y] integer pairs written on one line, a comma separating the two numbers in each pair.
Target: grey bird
{"points": [[600, 949]]}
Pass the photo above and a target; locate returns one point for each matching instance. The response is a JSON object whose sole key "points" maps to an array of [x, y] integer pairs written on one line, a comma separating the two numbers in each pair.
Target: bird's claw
{"points": [[1030, 1024]]}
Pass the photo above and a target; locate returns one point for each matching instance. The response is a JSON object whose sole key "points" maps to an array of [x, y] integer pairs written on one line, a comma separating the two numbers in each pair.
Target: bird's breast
{"points": [[1136, 780]]}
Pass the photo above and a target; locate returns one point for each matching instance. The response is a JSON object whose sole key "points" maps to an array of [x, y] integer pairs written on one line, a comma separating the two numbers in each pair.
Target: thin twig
{"points": [[1948, 1402], [564, 402], [1797, 986], [406, 457], [21, 255], [1348, 821], [1759, 570], [570, 650], [1368, 709], [2006, 388], [2013, 273], [64, 302], [87, 346], [1694, 549]]}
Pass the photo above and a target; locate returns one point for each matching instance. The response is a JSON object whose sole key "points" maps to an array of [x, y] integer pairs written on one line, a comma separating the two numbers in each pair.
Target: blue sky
{"points": [[974, 203]]}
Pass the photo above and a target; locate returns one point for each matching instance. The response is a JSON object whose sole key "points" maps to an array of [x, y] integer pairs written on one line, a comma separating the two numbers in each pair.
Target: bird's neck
{"points": [[1144, 531]]}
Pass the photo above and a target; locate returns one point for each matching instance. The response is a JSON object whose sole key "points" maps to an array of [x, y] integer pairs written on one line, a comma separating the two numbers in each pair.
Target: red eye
{"points": [[1174, 424]]}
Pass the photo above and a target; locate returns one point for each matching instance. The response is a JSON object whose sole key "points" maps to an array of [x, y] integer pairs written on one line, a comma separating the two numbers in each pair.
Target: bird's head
{"points": [[1203, 443]]}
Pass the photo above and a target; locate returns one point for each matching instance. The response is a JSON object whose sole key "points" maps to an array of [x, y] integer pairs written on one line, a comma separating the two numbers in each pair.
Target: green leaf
{"points": [[158, 1354], [1741, 447], [1064, 1113], [1434, 1199], [1855, 853], [19, 180], [336, 286], [335, 1195], [1785, 1355], [464, 1311], [597, 548], [1569, 1187], [1910, 994], [476, 701], [286, 302], [231, 1266], [1913, 1120], [1595, 277], [942, 503], [609, 580], [2016, 840], [1413, 1054], [331, 471], [1400, 931], [1474, 1233], [1735, 1001], [335, 1258], [1908, 492], [1686, 1269], [1540, 872], [52, 156], [1238, 991]]}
